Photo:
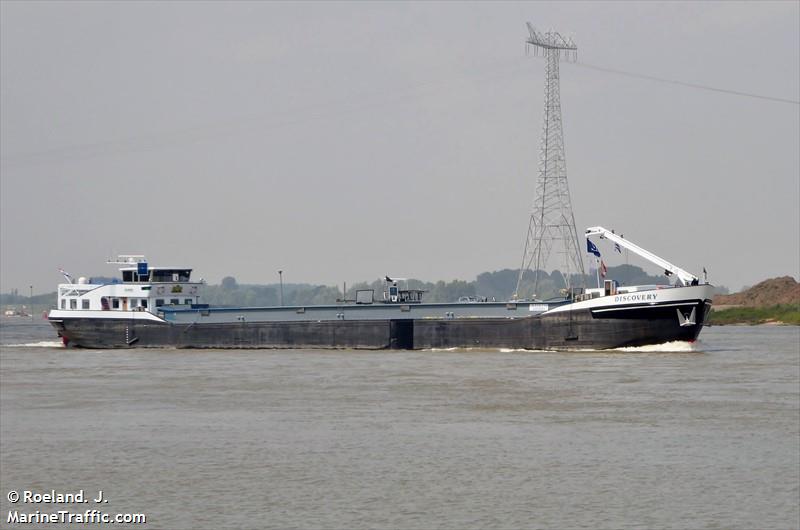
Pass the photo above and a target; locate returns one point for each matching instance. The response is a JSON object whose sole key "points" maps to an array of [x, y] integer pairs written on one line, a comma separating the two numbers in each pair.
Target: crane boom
{"points": [[685, 277]]}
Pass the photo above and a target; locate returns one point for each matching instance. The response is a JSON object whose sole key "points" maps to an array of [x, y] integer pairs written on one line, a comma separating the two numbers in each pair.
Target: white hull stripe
{"points": [[679, 295], [63, 314], [627, 308]]}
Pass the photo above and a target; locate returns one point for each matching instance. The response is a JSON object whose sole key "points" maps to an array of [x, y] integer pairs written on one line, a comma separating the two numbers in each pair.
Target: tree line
{"points": [[496, 285]]}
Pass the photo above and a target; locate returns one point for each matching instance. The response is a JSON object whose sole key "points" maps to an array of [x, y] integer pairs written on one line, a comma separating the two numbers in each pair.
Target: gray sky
{"points": [[342, 142]]}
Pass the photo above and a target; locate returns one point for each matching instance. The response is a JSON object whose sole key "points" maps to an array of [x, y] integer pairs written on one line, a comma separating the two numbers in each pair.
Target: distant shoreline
{"points": [[773, 323], [776, 315], [772, 302]]}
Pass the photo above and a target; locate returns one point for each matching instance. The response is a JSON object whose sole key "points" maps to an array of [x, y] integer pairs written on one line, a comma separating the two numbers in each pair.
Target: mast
{"points": [[552, 223]]}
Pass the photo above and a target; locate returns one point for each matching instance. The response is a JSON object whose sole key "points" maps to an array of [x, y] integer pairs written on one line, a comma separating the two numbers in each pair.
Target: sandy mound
{"points": [[783, 290]]}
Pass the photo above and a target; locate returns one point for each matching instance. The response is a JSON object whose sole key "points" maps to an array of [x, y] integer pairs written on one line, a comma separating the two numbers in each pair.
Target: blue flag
{"points": [[591, 248]]}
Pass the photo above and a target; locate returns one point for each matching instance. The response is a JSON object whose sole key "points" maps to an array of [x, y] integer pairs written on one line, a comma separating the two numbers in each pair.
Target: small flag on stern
{"points": [[617, 248], [591, 248], [66, 275], [603, 269]]}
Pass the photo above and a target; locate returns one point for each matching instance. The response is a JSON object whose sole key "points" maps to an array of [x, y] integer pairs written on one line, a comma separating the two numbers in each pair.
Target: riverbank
{"points": [[781, 314]]}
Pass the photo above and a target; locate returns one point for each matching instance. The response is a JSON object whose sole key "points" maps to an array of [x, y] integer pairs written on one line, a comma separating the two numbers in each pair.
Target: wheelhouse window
{"points": [[188, 301], [144, 302], [63, 304], [170, 275], [135, 276], [174, 301], [84, 304], [73, 304], [159, 302], [115, 303]]}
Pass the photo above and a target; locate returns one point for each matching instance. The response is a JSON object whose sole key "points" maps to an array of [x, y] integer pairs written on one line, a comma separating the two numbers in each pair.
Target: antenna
{"points": [[126, 259], [552, 224]]}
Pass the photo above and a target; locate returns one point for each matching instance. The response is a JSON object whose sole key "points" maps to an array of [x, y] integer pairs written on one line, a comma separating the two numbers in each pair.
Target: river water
{"points": [[706, 436]]}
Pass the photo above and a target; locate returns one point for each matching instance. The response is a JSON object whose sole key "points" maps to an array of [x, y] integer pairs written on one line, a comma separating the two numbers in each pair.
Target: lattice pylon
{"points": [[552, 223]]}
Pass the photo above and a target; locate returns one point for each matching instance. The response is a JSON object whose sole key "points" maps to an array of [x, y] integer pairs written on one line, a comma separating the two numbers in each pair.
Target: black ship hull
{"points": [[577, 329]]}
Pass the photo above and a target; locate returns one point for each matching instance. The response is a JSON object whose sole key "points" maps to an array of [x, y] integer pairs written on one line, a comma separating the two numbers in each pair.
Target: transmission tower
{"points": [[552, 224]]}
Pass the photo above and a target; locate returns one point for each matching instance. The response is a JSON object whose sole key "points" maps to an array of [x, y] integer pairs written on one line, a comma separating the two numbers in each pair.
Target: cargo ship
{"points": [[161, 307]]}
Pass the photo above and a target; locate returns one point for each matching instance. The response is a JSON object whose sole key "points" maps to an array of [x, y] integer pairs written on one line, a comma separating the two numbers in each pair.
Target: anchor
{"points": [[688, 319]]}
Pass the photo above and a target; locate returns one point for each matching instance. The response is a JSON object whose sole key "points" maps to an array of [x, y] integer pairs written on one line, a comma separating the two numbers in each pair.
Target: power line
{"points": [[314, 111], [684, 83]]}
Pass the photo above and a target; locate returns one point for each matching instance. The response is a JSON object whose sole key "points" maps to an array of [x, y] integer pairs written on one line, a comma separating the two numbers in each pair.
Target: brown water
{"points": [[707, 437]]}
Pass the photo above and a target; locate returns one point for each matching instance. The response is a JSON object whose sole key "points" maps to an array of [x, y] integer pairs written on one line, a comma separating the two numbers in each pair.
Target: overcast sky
{"points": [[345, 141]]}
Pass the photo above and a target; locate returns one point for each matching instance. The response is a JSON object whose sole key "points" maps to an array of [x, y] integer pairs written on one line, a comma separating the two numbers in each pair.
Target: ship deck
{"points": [[375, 311]]}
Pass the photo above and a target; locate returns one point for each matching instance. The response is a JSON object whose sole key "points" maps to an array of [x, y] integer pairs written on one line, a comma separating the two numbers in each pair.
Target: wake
{"points": [[677, 346], [41, 344]]}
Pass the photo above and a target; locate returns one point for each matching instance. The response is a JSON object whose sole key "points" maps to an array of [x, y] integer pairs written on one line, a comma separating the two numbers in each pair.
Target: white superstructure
{"points": [[141, 288]]}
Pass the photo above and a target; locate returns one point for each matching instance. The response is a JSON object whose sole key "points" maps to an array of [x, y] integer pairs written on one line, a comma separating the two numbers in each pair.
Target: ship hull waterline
{"points": [[573, 329]]}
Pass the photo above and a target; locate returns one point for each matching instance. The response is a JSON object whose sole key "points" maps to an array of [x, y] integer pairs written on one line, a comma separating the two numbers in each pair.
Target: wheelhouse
{"points": [[141, 288]]}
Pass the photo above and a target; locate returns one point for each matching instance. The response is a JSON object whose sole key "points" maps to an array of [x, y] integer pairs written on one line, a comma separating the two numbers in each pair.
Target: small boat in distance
{"points": [[161, 307]]}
